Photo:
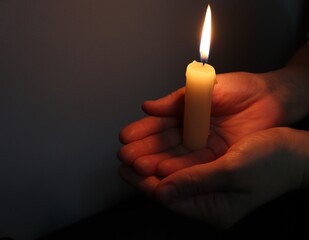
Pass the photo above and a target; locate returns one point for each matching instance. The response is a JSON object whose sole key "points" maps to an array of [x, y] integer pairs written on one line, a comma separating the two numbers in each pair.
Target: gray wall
{"points": [[73, 73]]}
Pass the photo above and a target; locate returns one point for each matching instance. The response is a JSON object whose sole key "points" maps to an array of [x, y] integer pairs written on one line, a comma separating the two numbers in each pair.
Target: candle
{"points": [[200, 80]]}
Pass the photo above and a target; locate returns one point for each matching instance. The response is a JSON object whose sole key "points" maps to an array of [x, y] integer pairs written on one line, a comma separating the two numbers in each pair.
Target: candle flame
{"points": [[206, 35]]}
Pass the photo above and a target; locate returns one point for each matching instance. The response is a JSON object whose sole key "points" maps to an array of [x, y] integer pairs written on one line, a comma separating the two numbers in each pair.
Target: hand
{"points": [[242, 103], [252, 166], [255, 170]]}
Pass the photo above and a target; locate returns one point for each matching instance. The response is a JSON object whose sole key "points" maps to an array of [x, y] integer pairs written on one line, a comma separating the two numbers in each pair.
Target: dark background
{"points": [[73, 73]]}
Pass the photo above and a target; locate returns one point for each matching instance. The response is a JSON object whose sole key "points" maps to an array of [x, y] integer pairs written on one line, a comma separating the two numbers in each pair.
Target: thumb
{"points": [[199, 179], [168, 106]]}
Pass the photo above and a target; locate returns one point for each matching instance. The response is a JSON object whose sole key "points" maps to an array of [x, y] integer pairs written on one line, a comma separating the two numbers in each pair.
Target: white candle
{"points": [[200, 80]]}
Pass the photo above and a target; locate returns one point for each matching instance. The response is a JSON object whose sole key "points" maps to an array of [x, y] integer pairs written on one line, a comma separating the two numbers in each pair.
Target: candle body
{"points": [[200, 80]]}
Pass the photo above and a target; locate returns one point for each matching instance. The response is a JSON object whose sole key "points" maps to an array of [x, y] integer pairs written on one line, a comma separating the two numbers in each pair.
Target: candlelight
{"points": [[200, 80], [206, 36]]}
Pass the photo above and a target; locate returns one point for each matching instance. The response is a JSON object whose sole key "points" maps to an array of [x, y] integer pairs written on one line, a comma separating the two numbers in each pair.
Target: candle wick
{"points": [[204, 61]]}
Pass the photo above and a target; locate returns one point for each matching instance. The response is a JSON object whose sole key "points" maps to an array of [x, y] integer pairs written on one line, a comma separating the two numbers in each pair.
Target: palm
{"points": [[253, 171], [242, 104]]}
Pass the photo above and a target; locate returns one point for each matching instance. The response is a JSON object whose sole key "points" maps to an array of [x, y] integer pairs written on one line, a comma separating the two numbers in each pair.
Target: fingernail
{"points": [[167, 193]]}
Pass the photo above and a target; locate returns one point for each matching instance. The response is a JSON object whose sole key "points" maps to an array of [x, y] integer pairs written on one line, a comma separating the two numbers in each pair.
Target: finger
{"points": [[146, 127], [171, 165], [150, 145], [172, 160], [188, 182], [145, 184], [216, 148], [217, 142], [169, 106], [147, 165]]}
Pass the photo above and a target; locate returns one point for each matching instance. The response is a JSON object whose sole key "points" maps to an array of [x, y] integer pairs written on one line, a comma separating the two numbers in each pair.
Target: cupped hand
{"points": [[255, 170], [242, 104]]}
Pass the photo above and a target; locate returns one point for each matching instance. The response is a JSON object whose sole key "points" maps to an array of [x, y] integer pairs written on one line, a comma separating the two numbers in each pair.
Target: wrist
{"points": [[297, 142], [289, 86]]}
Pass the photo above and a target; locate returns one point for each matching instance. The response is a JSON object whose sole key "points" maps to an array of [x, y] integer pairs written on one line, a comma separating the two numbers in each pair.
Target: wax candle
{"points": [[200, 80]]}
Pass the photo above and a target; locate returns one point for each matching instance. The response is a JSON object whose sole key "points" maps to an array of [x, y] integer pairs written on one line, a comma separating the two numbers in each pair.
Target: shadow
{"points": [[141, 218]]}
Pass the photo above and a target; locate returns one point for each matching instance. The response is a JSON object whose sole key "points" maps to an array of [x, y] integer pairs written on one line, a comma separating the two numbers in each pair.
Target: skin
{"points": [[153, 144], [251, 158], [254, 171]]}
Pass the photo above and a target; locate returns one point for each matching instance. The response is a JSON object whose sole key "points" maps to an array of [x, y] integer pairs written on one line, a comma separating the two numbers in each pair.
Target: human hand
{"points": [[250, 168], [255, 170], [242, 103]]}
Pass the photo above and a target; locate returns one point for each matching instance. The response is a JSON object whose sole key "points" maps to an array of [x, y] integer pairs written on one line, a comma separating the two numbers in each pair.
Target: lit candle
{"points": [[200, 80]]}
